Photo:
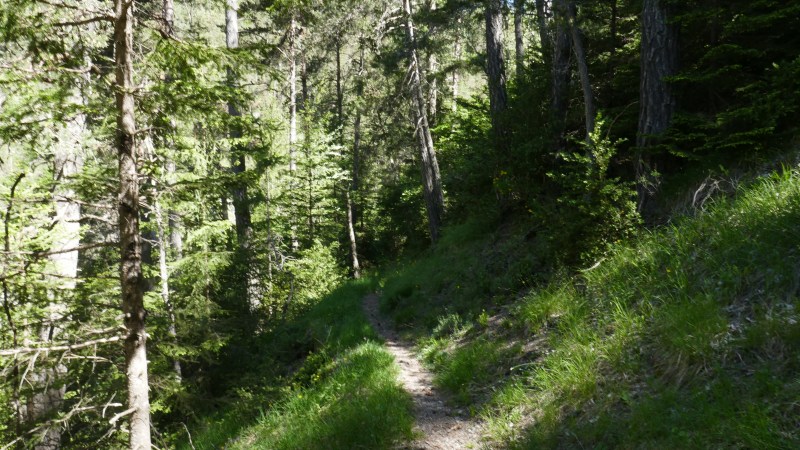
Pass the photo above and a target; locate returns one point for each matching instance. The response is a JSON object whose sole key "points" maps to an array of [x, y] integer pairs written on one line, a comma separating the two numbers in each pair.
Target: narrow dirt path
{"points": [[439, 426]]}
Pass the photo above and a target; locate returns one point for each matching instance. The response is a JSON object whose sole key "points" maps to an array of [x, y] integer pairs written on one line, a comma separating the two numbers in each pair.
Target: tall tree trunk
{"points": [[351, 233], [339, 90], [495, 69], [293, 125], [168, 17], [583, 70], [19, 410], [429, 166], [149, 238], [130, 245], [241, 204], [433, 86], [519, 35], [561, 69], [657, 103], [67, 163], [354, 184], [544, 35], [174, 222], [454, 80], [163, 272]]}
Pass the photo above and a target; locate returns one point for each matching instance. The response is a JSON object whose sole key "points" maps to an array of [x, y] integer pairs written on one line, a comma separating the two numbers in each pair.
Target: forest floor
{"points": [[438, 426]]}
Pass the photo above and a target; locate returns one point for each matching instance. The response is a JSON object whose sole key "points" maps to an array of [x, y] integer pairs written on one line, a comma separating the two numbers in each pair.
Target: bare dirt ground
{"points": [[438, 425]]}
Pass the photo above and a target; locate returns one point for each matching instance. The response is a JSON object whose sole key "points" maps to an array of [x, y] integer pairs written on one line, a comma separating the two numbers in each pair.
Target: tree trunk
{"points": [[454, 80], [433, 86], [176, 237], [168, 13], [431, 179], [351, 232], [519, 35], [293, 124], [163, 272], [130, 245], [339, 90], [241, 201], [241, 204], [659, 60], [67, 163], [561, 69], [544, 35], [354, 185], [19, 410], [174, 220], [495, 69], [583, 70]]}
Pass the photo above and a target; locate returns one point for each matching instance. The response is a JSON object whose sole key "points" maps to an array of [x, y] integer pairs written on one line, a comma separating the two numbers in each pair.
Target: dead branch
{"points": [[59, 348]]}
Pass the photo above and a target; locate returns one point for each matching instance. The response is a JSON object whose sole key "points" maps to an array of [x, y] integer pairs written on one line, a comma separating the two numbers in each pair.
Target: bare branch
{"points": [[77, 23], [79, 248], [121, 415], [59, 348]]}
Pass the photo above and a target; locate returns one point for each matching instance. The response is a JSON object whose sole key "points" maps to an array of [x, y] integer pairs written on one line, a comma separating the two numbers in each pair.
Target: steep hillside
{"points": [[685, 338]]}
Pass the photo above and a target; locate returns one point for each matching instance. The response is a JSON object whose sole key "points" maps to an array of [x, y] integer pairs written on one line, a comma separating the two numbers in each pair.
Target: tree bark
{"points": [[130, 245], [561, 68], [19, 410], [293, 124], [429, 166], [174, 220], [495, 69], [354, 185], [433, 86], [454, 80], [519, 35], [168, 13], [339, 89], [657, 103], [67, 163], [241, 204], [583, 70], [163, 272], [241, 200], [544, 35], [351, 232]]}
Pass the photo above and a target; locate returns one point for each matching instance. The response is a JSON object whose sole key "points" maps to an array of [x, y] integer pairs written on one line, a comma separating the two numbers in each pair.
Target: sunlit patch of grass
{"points": [[344, 383], [675, 341], [688, 337], [360, 405]]}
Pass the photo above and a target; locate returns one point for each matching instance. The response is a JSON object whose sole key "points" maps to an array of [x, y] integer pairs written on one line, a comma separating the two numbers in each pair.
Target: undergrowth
{"points": [[686, 337], [340, 382]]}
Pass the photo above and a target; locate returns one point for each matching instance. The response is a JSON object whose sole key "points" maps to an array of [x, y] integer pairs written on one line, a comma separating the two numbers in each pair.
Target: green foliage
{"points": [[595, 211], [344, 382], [738, 90], [651, 350], [685, 337], [360, 394], [315, 273]]}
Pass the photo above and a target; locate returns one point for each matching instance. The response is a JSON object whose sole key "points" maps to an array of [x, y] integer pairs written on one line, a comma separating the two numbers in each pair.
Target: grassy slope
{"points": [[687, 338], [343, 384]]}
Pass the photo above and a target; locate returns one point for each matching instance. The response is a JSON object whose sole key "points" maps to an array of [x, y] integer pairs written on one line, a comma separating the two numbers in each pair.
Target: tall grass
{"points": [[686, 338], [341, 394]]}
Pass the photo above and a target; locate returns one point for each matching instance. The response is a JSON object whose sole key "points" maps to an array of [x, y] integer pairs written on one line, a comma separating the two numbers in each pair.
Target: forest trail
{"points": [[439, 426]]}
